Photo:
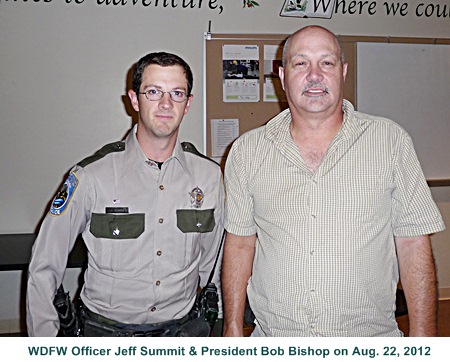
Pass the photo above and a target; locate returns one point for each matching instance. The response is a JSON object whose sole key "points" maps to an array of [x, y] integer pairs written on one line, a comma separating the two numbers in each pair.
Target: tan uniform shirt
{"points": [[150, 233], [325, 262]]}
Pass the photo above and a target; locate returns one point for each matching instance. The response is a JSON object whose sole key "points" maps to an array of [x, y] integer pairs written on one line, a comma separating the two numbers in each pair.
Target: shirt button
{"points": [[161, 221], [153, 309], [312, 252], [161, 187], [159, 253], [158, 283]]}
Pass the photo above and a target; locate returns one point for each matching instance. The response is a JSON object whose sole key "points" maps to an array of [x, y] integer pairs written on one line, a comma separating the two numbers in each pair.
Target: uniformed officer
{"points": [[149, 210]]}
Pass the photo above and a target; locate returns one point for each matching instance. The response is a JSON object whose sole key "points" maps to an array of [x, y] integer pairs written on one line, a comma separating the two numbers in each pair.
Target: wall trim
{"points": [[11, 326], [444, 293]]}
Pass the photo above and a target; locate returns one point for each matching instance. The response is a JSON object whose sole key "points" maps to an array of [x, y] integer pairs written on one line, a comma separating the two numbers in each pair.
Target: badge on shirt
{"points": [[63, 197], [197, 197]]}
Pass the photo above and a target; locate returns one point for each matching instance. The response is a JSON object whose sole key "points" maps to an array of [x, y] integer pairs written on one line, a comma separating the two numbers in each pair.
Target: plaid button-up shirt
{"points": [[325, 261]]}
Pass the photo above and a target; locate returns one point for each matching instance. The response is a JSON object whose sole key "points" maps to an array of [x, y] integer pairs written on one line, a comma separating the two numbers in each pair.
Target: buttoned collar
{"points": [[135, 157]]}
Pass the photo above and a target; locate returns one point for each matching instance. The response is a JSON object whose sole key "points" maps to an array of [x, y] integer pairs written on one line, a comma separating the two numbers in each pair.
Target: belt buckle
{"points": [[154, 333], [123, 333]]}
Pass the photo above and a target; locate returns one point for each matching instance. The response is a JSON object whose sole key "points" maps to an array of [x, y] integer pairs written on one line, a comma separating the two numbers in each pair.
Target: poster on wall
{"points": [[240, 73], [308, 8], [273, 91]]}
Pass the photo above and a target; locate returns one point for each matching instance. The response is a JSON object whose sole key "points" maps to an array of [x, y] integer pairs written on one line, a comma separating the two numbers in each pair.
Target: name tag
{"points": [[116, 210]]}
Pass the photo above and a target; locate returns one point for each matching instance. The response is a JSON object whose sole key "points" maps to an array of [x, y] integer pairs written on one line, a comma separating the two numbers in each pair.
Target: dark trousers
{"points": [[95, 325]]}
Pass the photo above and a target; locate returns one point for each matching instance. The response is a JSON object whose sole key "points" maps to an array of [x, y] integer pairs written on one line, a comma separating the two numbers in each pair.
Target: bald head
{"points": [[312, 30]]}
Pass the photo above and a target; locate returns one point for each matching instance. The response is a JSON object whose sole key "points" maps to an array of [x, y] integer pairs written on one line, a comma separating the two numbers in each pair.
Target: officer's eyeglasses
{"points": [[156, 95]]}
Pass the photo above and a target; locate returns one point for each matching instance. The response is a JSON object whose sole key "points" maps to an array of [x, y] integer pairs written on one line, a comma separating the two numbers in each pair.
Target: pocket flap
{"points": [[111, 226], [195, 221]]}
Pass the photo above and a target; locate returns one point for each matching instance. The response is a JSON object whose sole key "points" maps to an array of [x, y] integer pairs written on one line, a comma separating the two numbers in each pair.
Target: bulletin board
{"points": [[252, 114]]}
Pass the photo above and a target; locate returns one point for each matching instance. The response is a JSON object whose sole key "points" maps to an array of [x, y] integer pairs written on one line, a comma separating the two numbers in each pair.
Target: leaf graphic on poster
{"points": [[308, 8]]}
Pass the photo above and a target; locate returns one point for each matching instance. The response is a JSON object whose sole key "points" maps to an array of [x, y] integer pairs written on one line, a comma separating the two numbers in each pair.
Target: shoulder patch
{"points": [[63, 197], [189, 147], [105, 150]]}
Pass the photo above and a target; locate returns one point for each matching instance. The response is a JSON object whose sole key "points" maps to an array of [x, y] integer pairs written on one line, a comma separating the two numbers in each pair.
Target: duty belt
{"points": [[95, 325]]}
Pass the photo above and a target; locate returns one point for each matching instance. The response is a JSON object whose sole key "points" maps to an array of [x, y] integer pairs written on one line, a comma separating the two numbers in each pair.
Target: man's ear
{"points": [[134, 99], [281, 74], [188, 104], [344, 70]]}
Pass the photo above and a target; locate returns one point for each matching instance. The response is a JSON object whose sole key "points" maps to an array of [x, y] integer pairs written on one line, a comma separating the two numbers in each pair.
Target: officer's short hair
{"points": [[164, 60]]}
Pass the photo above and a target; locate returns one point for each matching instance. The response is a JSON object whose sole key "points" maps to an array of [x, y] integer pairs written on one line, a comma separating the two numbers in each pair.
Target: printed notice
{"points": [[273, 91], [240, 73], [223, 133]]}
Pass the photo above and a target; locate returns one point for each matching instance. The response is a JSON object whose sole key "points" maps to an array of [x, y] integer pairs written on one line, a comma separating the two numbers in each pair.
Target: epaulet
{"points": [[105, 150], [189, 147]]}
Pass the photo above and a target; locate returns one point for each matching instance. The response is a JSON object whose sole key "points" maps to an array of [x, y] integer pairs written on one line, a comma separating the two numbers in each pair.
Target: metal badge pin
{"points": [[197, 197]]}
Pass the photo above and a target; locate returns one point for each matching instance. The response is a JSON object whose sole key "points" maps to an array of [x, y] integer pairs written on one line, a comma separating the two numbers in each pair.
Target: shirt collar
{"points": [[277, 129], [135, 157], [349, 124], [179, 155]]}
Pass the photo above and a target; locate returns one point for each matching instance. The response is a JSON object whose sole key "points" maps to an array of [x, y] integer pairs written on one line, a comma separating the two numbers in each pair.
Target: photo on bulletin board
{"points": [[240, 73]]}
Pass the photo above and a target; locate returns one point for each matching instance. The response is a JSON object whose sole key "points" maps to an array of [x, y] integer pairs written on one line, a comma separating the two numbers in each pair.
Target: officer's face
{"points": [[160, 118]]}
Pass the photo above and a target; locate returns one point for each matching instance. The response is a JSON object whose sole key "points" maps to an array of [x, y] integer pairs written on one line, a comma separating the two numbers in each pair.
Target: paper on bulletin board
{"points": [[240, 73], [223, 133], [273, 91]]}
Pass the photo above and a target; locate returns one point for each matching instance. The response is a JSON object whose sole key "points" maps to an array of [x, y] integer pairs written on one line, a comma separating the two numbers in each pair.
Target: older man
{"points": [[326, 208]]}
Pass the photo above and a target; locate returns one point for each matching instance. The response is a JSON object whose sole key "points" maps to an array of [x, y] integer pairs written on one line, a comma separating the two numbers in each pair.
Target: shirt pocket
{"points": [[192, 223], [363, 196], [195, 221], [117, 247]]}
